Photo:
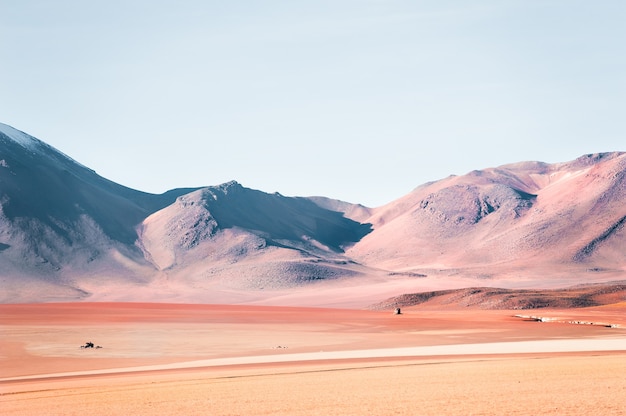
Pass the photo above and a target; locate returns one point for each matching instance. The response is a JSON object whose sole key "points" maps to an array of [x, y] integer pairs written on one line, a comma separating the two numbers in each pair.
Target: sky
{"points": [[357, 100]]}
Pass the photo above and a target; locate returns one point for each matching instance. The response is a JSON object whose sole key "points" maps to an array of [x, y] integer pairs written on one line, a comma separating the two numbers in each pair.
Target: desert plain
{"points": [[190, 359]]}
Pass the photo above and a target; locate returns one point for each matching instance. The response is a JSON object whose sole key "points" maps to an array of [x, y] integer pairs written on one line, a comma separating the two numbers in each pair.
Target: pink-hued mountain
{"points": [[67, 233], [530, 220]]}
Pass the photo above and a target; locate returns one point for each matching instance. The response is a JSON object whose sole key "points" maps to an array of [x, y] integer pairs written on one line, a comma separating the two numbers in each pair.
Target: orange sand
{"points": [[43, 370]]}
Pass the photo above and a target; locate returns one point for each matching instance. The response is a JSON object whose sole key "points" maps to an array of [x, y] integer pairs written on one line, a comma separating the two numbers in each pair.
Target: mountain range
{"points": [[67, 233]]}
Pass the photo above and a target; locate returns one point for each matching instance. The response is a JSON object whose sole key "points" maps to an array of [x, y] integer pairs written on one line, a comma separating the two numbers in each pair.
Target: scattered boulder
{"points": [[90, 344]]}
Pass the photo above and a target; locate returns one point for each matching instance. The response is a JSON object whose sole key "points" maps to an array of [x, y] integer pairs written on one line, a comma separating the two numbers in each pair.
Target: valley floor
{"points": [[261, 360]]}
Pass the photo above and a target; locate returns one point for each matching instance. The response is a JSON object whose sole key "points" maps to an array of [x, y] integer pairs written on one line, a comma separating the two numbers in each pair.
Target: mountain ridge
{"points": [[67, 233]]}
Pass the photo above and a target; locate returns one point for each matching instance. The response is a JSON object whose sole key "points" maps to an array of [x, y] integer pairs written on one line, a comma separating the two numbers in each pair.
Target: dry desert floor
{"points": [[162, 359]]}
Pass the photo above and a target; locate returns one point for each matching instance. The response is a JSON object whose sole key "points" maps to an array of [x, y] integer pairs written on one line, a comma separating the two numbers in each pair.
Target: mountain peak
{"points": [[593, 158], [34, 146], [230, 185], [226, 188], [19, 137]]}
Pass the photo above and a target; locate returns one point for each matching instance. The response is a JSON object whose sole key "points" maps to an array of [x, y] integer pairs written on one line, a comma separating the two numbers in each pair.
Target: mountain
{"points": [[248, 239], [526, 219], [57, 216], [67, 233]]}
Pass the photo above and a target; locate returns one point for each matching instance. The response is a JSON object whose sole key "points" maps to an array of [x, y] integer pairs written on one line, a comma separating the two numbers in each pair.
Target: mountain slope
{"points": [[248, 239], [67, 232], [56, 214], [516, 217]]}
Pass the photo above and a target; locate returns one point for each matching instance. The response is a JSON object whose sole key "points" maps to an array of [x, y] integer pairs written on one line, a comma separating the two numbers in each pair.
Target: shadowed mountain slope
{"points": [[245, 238], [281, 218], [55, 211]]}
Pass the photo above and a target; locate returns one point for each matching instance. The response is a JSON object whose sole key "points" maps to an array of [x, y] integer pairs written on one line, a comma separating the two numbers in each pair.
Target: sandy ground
{"points": [[256, 360]]}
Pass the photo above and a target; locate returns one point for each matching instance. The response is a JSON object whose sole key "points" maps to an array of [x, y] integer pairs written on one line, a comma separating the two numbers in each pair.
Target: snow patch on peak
{"points": [[35, 145], [23, 139]]}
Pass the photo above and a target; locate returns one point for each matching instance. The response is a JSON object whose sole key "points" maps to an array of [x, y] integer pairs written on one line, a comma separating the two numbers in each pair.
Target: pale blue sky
{"points": [[358, 100]]}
